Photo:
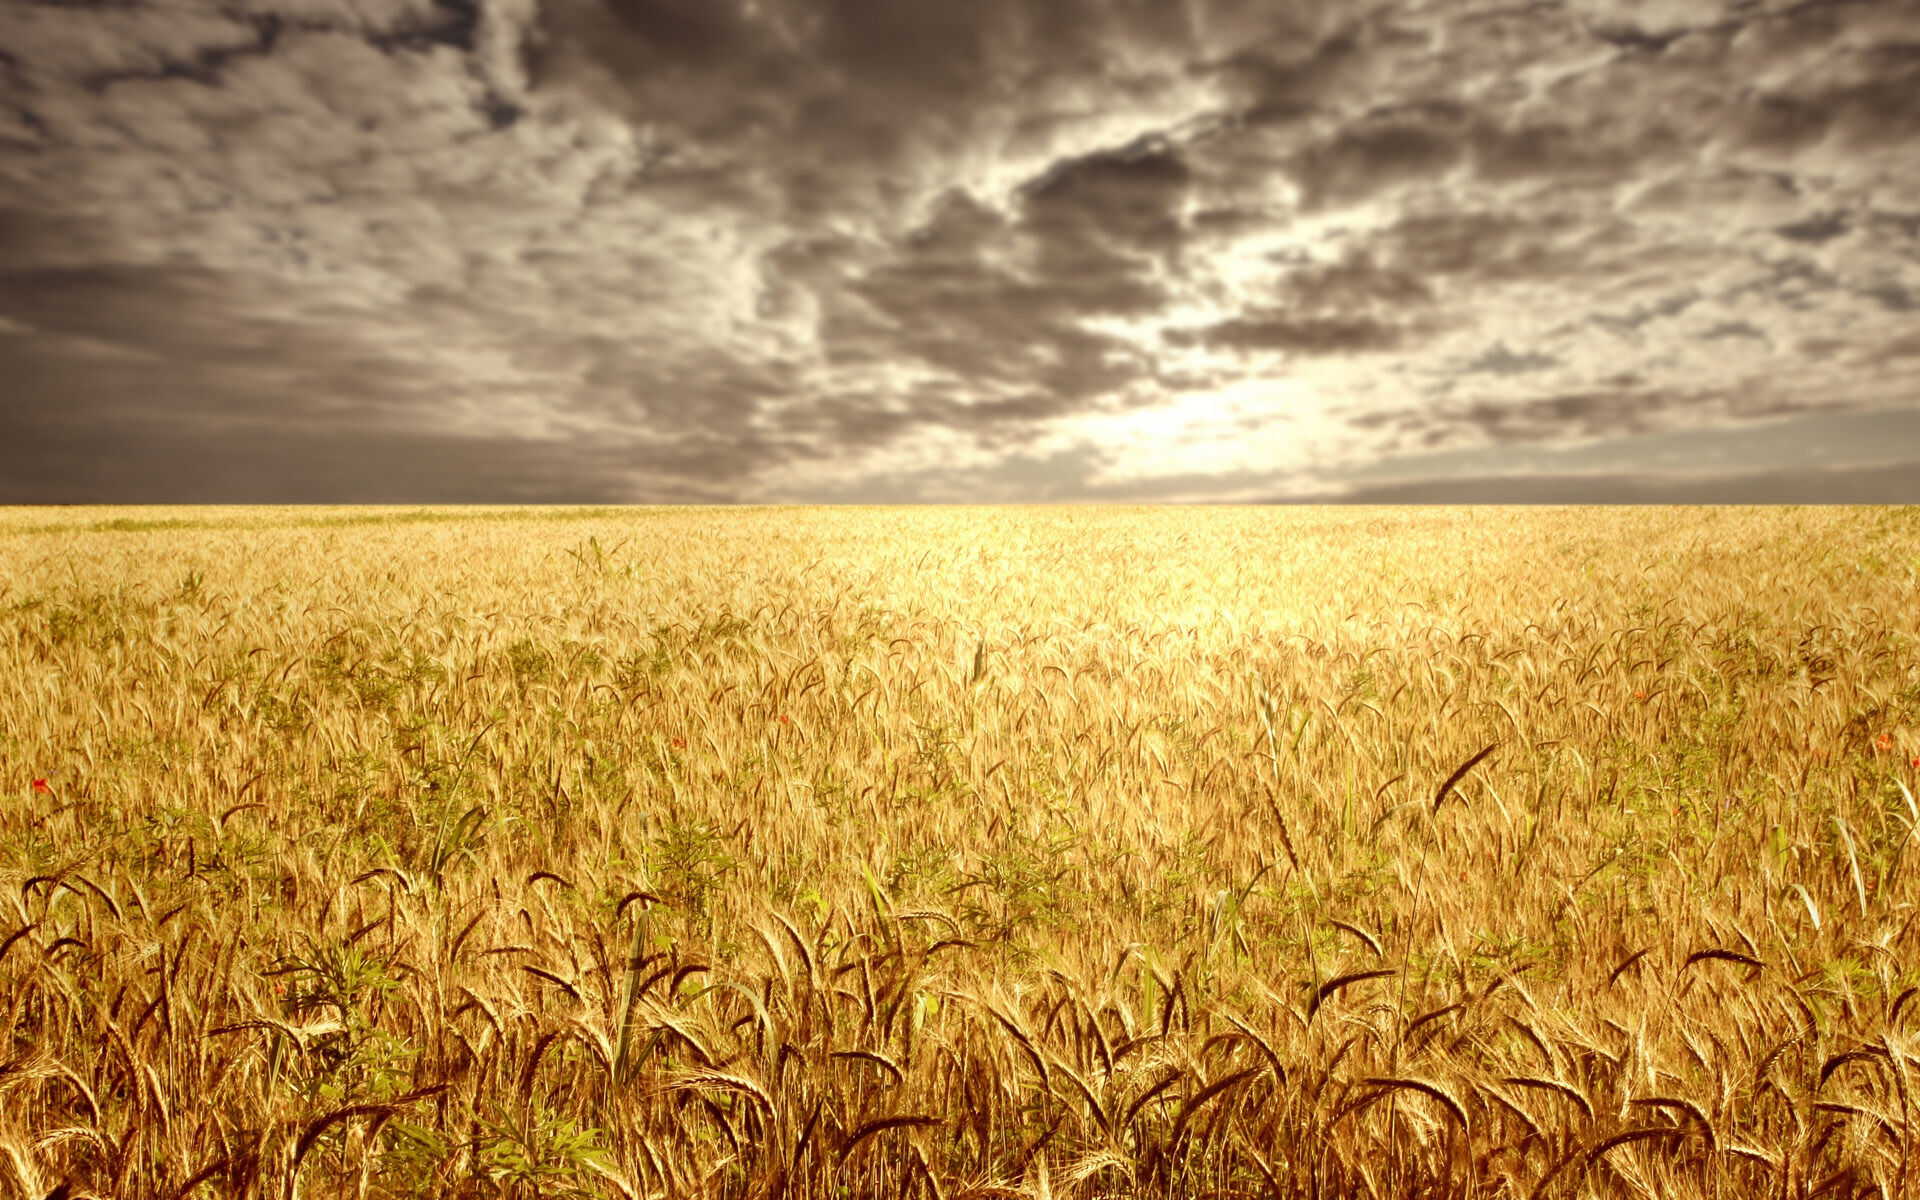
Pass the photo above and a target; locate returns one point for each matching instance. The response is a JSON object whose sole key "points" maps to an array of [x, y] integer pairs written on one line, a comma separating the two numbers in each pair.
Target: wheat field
{"points": [[959, 853]]}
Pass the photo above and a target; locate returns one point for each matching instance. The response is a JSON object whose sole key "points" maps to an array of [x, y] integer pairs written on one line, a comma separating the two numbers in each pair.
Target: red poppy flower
{"points": [[1639, 695], [679, 743], [41, 785], [785, 719], [1884, 741]]}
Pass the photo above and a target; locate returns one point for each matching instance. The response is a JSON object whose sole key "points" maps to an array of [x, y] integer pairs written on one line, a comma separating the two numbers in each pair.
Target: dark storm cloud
{"points": [[823, 98], [186, 345], [1129, 196], [724, 248], [179, 383], [1489, 246], [1355, 282], [1822, 228], [33, 238], [139, 463], [186, 313], [112, 429], [1000, 301], [1892, 297], [1381, 150], [1304, 335], [1284, 78], [1871, 100]]}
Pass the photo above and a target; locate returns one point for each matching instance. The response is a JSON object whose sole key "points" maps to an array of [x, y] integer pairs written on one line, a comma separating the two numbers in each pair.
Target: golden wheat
{"points": [[797, 853]]}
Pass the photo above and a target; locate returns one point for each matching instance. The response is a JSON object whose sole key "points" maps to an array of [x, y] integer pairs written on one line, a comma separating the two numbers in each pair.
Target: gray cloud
{"points": [[721, 249], [1894, 484], [1130, 197], [1355, 283], [128, 433], [941, 301], [1302, 335], [1397, 146], [1501, 361]]}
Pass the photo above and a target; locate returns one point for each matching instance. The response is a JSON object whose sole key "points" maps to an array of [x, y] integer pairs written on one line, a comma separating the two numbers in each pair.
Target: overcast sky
{"points": [[863, 250]]}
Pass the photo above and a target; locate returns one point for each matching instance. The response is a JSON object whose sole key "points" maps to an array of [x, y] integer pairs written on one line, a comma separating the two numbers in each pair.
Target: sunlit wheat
{"points": [[803, 853]]}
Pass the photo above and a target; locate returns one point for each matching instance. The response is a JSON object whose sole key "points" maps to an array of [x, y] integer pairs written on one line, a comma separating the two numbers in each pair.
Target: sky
{"points": [[776, 251]]}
